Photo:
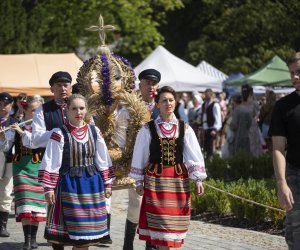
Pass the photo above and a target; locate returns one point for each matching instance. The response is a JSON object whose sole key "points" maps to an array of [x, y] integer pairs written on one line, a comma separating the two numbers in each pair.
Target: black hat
{"points": [[150, 74], [4, 96], [60, 76]]}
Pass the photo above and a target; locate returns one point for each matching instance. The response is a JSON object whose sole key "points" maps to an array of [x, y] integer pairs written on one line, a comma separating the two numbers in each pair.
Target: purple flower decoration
{"points": [[106, 81], [126, 62]]}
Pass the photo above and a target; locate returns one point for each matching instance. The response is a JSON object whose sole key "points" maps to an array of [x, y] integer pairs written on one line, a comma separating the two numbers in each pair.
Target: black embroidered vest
{"points": [[165, 152], [171, 149], [76, 155], [20, 150]]}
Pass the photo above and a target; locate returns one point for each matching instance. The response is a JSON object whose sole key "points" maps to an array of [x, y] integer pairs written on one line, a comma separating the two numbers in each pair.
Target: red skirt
{"points": [[165, 209]]}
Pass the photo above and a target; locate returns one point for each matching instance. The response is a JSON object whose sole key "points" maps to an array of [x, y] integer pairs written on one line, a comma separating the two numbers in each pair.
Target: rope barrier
{"points": [[244, 199]]}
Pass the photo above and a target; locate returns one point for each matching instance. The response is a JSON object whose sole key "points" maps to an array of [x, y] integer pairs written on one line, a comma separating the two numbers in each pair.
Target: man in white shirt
{"points": [[149, 80], [52, 114], [211, 122]]}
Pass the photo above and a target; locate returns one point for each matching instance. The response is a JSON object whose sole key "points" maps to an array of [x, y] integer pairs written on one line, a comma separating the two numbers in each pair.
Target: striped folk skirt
{"points": [[165, 209], [79, 216], [30, 200]]}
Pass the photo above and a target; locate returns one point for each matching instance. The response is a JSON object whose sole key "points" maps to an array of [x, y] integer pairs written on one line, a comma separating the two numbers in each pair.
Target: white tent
{"points": [[210, 70], [30, 73], [177, 73]]}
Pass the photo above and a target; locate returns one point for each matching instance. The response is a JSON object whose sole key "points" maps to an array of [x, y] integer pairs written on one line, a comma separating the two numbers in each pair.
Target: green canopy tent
{"points": [[274, 73]]}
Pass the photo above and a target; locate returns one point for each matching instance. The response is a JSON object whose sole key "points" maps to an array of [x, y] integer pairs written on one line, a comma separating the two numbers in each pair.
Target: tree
{"points": [[52, 26], [237, 36]]}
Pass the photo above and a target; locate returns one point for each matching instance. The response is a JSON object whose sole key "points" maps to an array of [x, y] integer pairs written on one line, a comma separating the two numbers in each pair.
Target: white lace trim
{"points": [[29, 209], [162, 236], [73, 237]]}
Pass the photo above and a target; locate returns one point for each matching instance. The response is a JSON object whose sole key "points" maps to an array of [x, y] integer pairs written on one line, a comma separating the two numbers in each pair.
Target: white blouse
{"points": [[192, 156], [52, 159], [10, 139]]}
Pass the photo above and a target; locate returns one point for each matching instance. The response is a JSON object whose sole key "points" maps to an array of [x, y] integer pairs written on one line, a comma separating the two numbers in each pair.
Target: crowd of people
{"points": [[226, 126], [57, 164]]}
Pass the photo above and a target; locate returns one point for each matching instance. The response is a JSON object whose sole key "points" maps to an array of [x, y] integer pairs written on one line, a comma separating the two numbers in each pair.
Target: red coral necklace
{"points": [[168, 132], [78, 133]]}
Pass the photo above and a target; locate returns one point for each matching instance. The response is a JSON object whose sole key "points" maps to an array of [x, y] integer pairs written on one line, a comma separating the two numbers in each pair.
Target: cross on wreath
{"points": [[102, 29]]}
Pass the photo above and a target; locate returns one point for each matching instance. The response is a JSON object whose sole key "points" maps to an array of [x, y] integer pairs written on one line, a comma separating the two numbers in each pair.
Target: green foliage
{"points": [[241, 165], [217, 167], [257, 192], [234, 36], [237, 206], [60, 25], [261, 191], [212, 201], [275, 216], [262, 167]]}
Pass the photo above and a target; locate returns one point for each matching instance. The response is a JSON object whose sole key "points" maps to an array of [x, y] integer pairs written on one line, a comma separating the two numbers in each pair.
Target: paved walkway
{"points": [[200, 236]]}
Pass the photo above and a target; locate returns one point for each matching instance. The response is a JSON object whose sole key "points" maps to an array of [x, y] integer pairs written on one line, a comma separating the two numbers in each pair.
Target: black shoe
{"points": [[33, 232], [3, 231], [106, 240], [3, 223], [130, 230], [149, 246], [57, 247], [27, 237]]}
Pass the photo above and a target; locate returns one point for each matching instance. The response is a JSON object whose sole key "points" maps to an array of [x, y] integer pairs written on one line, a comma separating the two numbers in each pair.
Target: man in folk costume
{"points": [[6, 180], [149, 79], [211, 122], [51, 115]]}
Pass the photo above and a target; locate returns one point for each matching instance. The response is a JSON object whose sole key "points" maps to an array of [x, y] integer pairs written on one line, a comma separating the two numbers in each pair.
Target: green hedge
{"points": [[262, 191], [242, 165]]}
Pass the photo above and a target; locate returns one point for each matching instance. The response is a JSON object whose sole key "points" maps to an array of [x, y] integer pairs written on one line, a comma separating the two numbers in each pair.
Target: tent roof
{"points": [[275, 72], [30, 73], [210, 70], [177, 73]]}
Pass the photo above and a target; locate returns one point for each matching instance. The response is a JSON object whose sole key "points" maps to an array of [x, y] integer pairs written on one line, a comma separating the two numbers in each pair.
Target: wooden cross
{"points": [[102, 29]]}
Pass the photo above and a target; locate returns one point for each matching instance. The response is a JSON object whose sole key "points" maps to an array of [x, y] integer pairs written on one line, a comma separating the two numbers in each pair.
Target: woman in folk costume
{"points": [[166, 154], [30, 203], [76, 176]]}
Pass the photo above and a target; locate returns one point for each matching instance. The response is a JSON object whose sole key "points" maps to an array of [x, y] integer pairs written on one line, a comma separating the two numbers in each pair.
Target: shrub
{"points": [[240, 165], [212, 200], [261, 191], [217, 201], [237, 206], [262, 167], [257, 192], [217, 168], [276, 217]]}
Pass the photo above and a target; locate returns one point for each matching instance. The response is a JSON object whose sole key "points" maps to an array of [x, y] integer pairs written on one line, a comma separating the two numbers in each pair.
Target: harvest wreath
{"points": [[107, 80]]}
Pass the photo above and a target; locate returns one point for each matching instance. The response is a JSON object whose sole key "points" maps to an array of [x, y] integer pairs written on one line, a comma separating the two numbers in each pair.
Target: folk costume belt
{"points": [[156, 168]]}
